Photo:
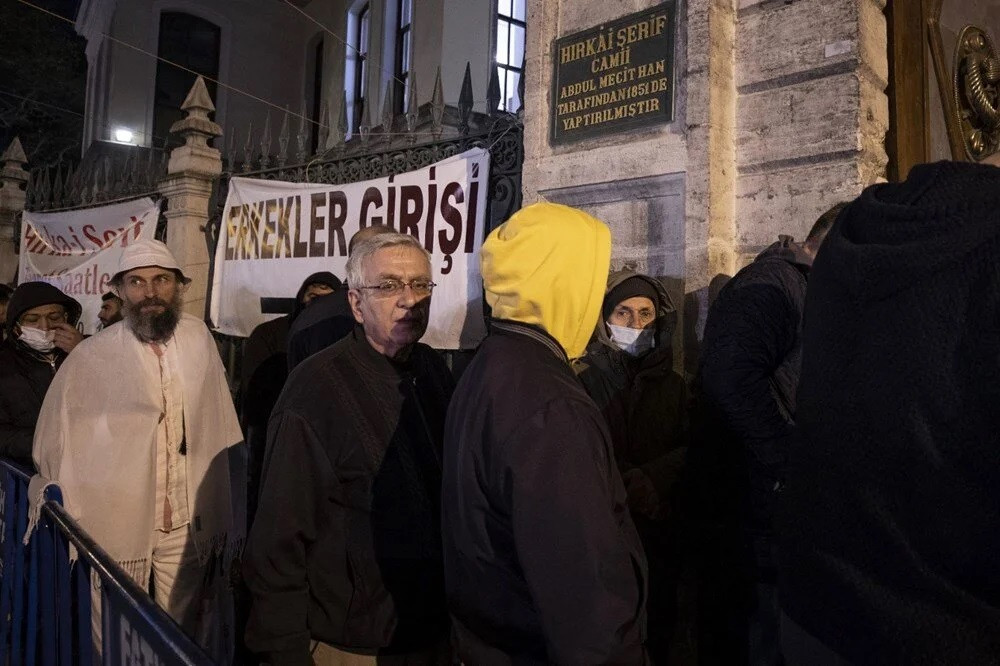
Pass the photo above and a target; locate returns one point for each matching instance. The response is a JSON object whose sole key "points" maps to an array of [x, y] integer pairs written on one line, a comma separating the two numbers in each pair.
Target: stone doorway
{"points": [[925, 123]]}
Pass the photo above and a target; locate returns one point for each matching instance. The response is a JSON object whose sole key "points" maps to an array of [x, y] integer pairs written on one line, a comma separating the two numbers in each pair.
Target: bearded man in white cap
{"points": [[140, 432]]}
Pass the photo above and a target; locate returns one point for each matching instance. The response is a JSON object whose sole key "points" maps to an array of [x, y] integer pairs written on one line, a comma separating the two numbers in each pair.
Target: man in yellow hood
{"points": [[542, 561]]}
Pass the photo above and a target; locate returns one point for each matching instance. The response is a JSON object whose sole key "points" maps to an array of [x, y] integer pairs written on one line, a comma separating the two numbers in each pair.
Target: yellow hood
{"points": [[548, 266]]}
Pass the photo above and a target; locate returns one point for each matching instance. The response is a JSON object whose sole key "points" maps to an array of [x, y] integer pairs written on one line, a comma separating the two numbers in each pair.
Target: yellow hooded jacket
{"points": [[548, 266]]}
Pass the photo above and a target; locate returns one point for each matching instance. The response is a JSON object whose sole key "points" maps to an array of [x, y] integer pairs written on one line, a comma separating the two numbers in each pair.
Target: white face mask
{"points": [[37, 339], [632, 341]]}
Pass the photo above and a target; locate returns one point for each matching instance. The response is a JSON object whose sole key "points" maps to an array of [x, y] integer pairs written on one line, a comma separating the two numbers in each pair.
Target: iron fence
{"points": [[45, 598]]}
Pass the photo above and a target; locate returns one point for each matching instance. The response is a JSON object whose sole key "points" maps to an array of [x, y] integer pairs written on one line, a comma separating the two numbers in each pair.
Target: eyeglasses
{"points": [[392, 287], [159, 282]]}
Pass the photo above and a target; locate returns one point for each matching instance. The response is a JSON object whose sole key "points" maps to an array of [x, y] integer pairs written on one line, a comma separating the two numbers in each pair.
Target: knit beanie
{"points": [[633, 286]]}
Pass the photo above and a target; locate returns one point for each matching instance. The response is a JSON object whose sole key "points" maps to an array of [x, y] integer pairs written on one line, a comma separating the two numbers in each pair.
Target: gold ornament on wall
{"points": [[976, 90]]}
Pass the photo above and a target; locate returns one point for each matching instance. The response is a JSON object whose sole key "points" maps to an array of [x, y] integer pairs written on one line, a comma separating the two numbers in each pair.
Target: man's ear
{"points": [[354, 298], [183, 286]]}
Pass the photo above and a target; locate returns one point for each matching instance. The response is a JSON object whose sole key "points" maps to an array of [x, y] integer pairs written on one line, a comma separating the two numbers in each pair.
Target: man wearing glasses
{"points": [[138, 429], [344, 557], [40, 335]]}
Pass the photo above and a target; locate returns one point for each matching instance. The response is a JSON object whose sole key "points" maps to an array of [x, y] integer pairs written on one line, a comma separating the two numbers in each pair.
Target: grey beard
{"points": [[153, 327]]}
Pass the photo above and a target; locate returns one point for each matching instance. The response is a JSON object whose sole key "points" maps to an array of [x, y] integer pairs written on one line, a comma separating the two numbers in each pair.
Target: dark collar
{"points": [[377, 362], [536, 333]]}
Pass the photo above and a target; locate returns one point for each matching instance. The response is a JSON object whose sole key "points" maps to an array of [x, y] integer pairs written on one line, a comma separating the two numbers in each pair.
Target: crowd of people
{"points": [[826, 484]]}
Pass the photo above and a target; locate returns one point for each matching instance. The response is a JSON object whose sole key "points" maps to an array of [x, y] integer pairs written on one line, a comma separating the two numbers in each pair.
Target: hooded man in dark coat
{"points": [[745, 391], [264, 373], [628, 371], [890, 518], [542, 561], [40, 334]]}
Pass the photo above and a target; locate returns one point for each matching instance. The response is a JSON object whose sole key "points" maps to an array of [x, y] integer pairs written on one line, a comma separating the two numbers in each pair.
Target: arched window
{"points": [[359, 42], [193, 43], [510, 28], [314, 89], [404, 54]]}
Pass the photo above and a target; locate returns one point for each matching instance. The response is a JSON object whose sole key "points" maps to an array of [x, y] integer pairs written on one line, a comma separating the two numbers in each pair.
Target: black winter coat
{"points": [[346, 545], [25, 376], [263, 375], [890, 521], [745, 390], [324, 323], [643, 400], [542, 561]]}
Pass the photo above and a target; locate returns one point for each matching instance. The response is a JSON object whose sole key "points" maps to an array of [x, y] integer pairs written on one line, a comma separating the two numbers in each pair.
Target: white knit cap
{"points": [[143, 253]]}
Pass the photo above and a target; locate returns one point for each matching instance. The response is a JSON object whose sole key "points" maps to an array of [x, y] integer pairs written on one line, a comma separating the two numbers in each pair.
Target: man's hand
{"points": [[67, 337], [642, 495]]}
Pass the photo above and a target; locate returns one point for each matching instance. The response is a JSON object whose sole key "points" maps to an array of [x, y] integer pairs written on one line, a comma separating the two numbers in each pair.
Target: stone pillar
{"points": [[812, 112], [191, 172], [12, 196]]}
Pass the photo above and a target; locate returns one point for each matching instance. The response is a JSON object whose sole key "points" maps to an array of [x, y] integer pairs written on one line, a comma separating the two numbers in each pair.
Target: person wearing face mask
{"points": [[40, 334], [628, 371]]}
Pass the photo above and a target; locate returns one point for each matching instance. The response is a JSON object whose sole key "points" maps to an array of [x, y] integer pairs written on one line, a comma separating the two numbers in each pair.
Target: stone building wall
{"points": [[780, 112]]}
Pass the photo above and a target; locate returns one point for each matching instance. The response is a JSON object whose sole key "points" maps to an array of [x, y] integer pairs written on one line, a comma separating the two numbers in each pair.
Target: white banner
{"points": [[275, 234], [79, 250]]}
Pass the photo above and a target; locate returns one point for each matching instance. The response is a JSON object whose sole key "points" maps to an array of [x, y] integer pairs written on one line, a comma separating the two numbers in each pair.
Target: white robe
{"points": [[96, 438]]}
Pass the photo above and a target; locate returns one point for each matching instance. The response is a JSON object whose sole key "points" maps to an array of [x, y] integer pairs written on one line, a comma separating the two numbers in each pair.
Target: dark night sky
{"points": [[42, 81]]}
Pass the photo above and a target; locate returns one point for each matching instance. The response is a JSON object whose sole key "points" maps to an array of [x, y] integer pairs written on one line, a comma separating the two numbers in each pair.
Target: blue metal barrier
{"points": [[45, 601]]}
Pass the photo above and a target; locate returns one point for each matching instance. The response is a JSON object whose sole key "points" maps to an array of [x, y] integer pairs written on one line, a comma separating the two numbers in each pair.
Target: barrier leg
{"points": [[17, 574], [64, 600], [84, 633], [7, 571], [31, 620]]}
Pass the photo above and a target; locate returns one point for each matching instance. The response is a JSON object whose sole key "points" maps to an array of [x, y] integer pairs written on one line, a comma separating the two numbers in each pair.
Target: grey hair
{"points": [[368, 247]]}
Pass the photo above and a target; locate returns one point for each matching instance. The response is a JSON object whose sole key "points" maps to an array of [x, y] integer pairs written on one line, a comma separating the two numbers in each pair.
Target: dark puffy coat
{"points": [[263, 376], [643, 400], [543, 563], [745, 389], [645, 404], [890, 521], [25, 374], [327, 321], [346, 546]]}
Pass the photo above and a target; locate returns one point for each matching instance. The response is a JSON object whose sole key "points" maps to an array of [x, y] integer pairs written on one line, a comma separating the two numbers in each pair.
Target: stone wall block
{"points": [[779, 44], [799, 122], [576, 16], [789, 201]]}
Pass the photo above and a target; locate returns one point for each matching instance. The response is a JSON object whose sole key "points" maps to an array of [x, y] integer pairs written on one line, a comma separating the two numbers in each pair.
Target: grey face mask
{"points": [[632, 341]]}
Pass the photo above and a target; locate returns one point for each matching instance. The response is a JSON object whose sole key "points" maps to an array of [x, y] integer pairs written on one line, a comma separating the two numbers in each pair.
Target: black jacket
{"points": [[890, 520], [542, 561], [745, 390], [346, 546], [324, 323], [643, 400], [25, 374], [263, 374]]}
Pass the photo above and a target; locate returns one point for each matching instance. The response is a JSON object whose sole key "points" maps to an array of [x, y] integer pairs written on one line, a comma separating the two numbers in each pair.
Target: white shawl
{"points": [[96, 438]]}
